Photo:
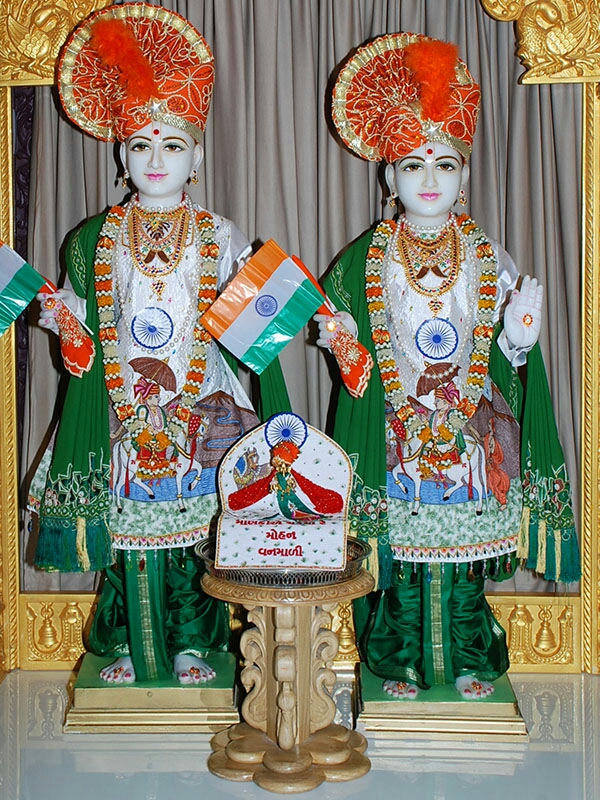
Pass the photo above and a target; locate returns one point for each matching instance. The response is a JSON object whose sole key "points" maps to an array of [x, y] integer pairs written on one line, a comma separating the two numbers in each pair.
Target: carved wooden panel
{"points": [[543, 632], [52, 629]]}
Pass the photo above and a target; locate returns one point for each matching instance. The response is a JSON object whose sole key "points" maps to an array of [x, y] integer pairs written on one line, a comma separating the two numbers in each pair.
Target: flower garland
{"points": [[109, 337], [483, 329]]}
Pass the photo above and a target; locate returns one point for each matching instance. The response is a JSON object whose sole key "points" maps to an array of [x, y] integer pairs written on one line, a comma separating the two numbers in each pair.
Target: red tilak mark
{"points": [[156, 131]]}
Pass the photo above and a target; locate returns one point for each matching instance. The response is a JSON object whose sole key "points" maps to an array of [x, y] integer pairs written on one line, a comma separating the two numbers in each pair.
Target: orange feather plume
{"points": [[116, 46], [432, 64]]}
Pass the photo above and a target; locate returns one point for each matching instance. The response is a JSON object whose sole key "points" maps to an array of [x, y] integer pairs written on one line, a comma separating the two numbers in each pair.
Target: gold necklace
{"points": [[440, 255], [158, 239]]}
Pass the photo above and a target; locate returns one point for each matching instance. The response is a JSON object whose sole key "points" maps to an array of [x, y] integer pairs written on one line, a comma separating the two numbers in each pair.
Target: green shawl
{"points": [[74, 508], [547, 541]]}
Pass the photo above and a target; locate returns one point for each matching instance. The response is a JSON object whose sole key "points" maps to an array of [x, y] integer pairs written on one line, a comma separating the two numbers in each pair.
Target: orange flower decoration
{"points": [[209, 250]]}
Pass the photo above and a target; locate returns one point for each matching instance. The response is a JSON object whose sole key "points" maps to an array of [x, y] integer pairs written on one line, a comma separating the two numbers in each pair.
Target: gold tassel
{"points": [[523, 541], [80, 544], [557, 551], [373, 560], [542, 541]]}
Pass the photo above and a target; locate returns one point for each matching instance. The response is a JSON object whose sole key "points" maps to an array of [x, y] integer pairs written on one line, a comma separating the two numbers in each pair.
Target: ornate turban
{"points": [[402, 90], [286, 450], [126, 65]]}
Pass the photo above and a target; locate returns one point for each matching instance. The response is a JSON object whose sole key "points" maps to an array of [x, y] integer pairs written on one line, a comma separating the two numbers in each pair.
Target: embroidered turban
{"points": [[126, 65], [402, 90]]}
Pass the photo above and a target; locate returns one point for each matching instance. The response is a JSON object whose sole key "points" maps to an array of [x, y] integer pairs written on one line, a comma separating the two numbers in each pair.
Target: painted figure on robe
{"points": [[457, 463], [131, 482]]}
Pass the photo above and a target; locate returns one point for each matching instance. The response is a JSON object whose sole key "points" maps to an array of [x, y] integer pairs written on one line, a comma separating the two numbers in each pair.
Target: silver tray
{"points": [[356, 553]]}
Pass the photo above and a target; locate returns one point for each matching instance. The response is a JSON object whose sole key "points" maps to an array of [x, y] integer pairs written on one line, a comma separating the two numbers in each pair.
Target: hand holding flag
{"points": [[76, 344], [267, 303], [19, 285], [338, 334], [354, 360]]}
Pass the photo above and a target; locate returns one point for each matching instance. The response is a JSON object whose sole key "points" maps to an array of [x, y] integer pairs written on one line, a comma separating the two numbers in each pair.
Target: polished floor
{"points": [[560, 759]]}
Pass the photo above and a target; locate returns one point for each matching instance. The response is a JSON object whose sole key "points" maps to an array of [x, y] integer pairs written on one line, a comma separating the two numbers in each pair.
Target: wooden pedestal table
{"points": [[287, 742]]}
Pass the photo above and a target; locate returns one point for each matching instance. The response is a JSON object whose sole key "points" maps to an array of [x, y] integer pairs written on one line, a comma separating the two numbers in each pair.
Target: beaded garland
{"points": [[483, 329], [108, 335]]}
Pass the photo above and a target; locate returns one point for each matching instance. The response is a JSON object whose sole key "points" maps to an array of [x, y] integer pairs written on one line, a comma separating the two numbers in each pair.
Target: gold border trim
{"points": [[590, 436], [9, 518]]}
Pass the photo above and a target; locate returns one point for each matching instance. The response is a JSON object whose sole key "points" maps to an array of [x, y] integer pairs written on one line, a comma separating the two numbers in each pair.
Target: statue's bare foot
{"points": [[120, 671], [401, 689], [191, 669], [471, 688]]}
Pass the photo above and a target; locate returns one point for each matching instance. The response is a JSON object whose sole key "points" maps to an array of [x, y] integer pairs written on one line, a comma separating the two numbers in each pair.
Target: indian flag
{"points": [[270, 299], [19, 284]]}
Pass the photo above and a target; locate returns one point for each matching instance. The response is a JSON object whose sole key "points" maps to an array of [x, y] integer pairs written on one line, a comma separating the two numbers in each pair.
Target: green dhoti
{"points": [[153, 608], [432, 626]]}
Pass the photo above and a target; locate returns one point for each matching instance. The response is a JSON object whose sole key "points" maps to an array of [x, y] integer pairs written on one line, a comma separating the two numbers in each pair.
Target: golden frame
{"points": [[546, 633]]}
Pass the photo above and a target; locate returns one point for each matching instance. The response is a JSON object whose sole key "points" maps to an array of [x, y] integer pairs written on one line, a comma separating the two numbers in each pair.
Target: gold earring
{"points": [[194, 176], [124, 179], [462, 197], [392, 200]]}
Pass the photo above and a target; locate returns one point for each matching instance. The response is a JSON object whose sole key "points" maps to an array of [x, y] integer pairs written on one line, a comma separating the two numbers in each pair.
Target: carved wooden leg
{"points": [[287, 742]]}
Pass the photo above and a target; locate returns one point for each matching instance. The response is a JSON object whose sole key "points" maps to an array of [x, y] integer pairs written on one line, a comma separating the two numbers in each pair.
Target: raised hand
{"points": [[523, 315]]}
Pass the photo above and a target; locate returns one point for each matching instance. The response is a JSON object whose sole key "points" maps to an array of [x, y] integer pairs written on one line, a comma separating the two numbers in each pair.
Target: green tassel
{"points": [[570, 567], [569, 570], [386, 565], [532, 556], [550, 572], [58, 551]]}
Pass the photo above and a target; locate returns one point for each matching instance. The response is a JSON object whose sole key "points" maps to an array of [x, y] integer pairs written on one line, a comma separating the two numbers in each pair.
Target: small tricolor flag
{"points": [[19, 284], [270, 299]]}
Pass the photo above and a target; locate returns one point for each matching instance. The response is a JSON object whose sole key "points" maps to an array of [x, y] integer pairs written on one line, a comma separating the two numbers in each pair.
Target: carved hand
{"points": [[523, 315]]}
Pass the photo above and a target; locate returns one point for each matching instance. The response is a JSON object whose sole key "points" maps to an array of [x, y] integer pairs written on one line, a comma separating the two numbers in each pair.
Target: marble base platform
{"points": [[440, 712], [148, 707]]}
